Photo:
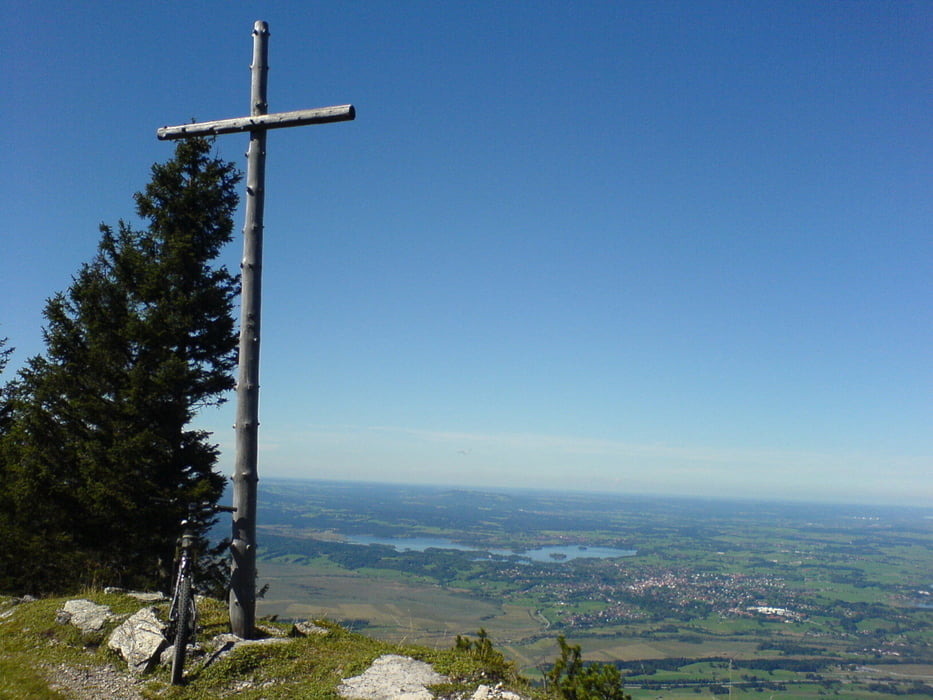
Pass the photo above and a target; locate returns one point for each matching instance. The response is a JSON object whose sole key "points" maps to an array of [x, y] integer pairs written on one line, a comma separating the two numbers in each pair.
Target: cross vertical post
{"points": [[245, 478]]}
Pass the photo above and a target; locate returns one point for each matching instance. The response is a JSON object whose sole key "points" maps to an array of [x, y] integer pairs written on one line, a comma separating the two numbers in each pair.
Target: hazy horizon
{"points": [[582, 492]]}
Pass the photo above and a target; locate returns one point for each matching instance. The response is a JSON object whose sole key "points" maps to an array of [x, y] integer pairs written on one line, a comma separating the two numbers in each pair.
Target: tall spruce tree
{"points": [[8, 552], [5, 407], [101, 437]]}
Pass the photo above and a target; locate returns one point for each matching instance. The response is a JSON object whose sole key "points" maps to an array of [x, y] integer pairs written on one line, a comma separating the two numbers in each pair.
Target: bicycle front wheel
{"points": [[183, 621]]}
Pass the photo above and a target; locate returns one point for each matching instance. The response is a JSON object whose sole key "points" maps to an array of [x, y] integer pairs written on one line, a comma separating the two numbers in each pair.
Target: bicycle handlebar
{"points": [[213, 507]]}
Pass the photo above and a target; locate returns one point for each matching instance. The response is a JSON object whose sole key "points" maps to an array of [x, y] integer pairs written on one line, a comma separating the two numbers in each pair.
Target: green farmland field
{"points": [[689, 598]]}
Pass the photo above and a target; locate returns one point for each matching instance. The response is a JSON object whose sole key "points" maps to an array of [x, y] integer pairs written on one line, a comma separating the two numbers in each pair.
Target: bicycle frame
{"points": [[183, 613]]}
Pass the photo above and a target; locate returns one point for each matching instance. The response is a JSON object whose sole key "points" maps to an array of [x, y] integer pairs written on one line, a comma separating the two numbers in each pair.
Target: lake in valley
{"points": [[552, 554]]}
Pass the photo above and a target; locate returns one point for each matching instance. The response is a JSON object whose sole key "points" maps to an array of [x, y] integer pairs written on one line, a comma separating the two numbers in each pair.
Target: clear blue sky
{"points": [[666, 247]]}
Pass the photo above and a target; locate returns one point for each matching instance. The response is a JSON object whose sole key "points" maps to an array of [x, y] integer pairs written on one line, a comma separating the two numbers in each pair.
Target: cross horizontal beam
{"points": [[263, 122]]}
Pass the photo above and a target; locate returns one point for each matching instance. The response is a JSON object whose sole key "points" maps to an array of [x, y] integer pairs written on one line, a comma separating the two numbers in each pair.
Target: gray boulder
{"points": [[145, 596], [485, 692], [307, 629], [85, 615], [392, 677], [224, 644], [139, 640]]}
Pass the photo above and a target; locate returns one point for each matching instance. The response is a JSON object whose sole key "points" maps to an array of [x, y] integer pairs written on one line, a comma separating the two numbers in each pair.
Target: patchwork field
{"points": [[794, 600]]}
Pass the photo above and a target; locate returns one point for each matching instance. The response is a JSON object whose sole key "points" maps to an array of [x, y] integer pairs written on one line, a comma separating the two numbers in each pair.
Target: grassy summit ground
{"points": [[41, 659]]}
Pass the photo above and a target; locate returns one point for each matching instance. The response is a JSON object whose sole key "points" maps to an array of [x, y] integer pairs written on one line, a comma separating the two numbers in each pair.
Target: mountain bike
{"points": [[183, 613]]}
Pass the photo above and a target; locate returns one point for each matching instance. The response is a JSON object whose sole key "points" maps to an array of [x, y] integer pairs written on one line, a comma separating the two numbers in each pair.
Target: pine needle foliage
{"points": [[572, 680], [494, 664], [99, 435]]}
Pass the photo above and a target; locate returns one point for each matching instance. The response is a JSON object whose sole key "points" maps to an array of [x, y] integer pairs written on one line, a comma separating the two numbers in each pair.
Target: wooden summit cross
{"points": [[243, 572]]}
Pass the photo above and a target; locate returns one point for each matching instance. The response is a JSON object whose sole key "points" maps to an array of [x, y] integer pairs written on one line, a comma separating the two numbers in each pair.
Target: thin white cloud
{"points": [[396, 453], [571, 445]]}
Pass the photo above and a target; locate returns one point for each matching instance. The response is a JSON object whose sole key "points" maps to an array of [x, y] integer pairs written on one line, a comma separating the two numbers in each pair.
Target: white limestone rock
{"points": [[139, 640], [392, 677]]}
